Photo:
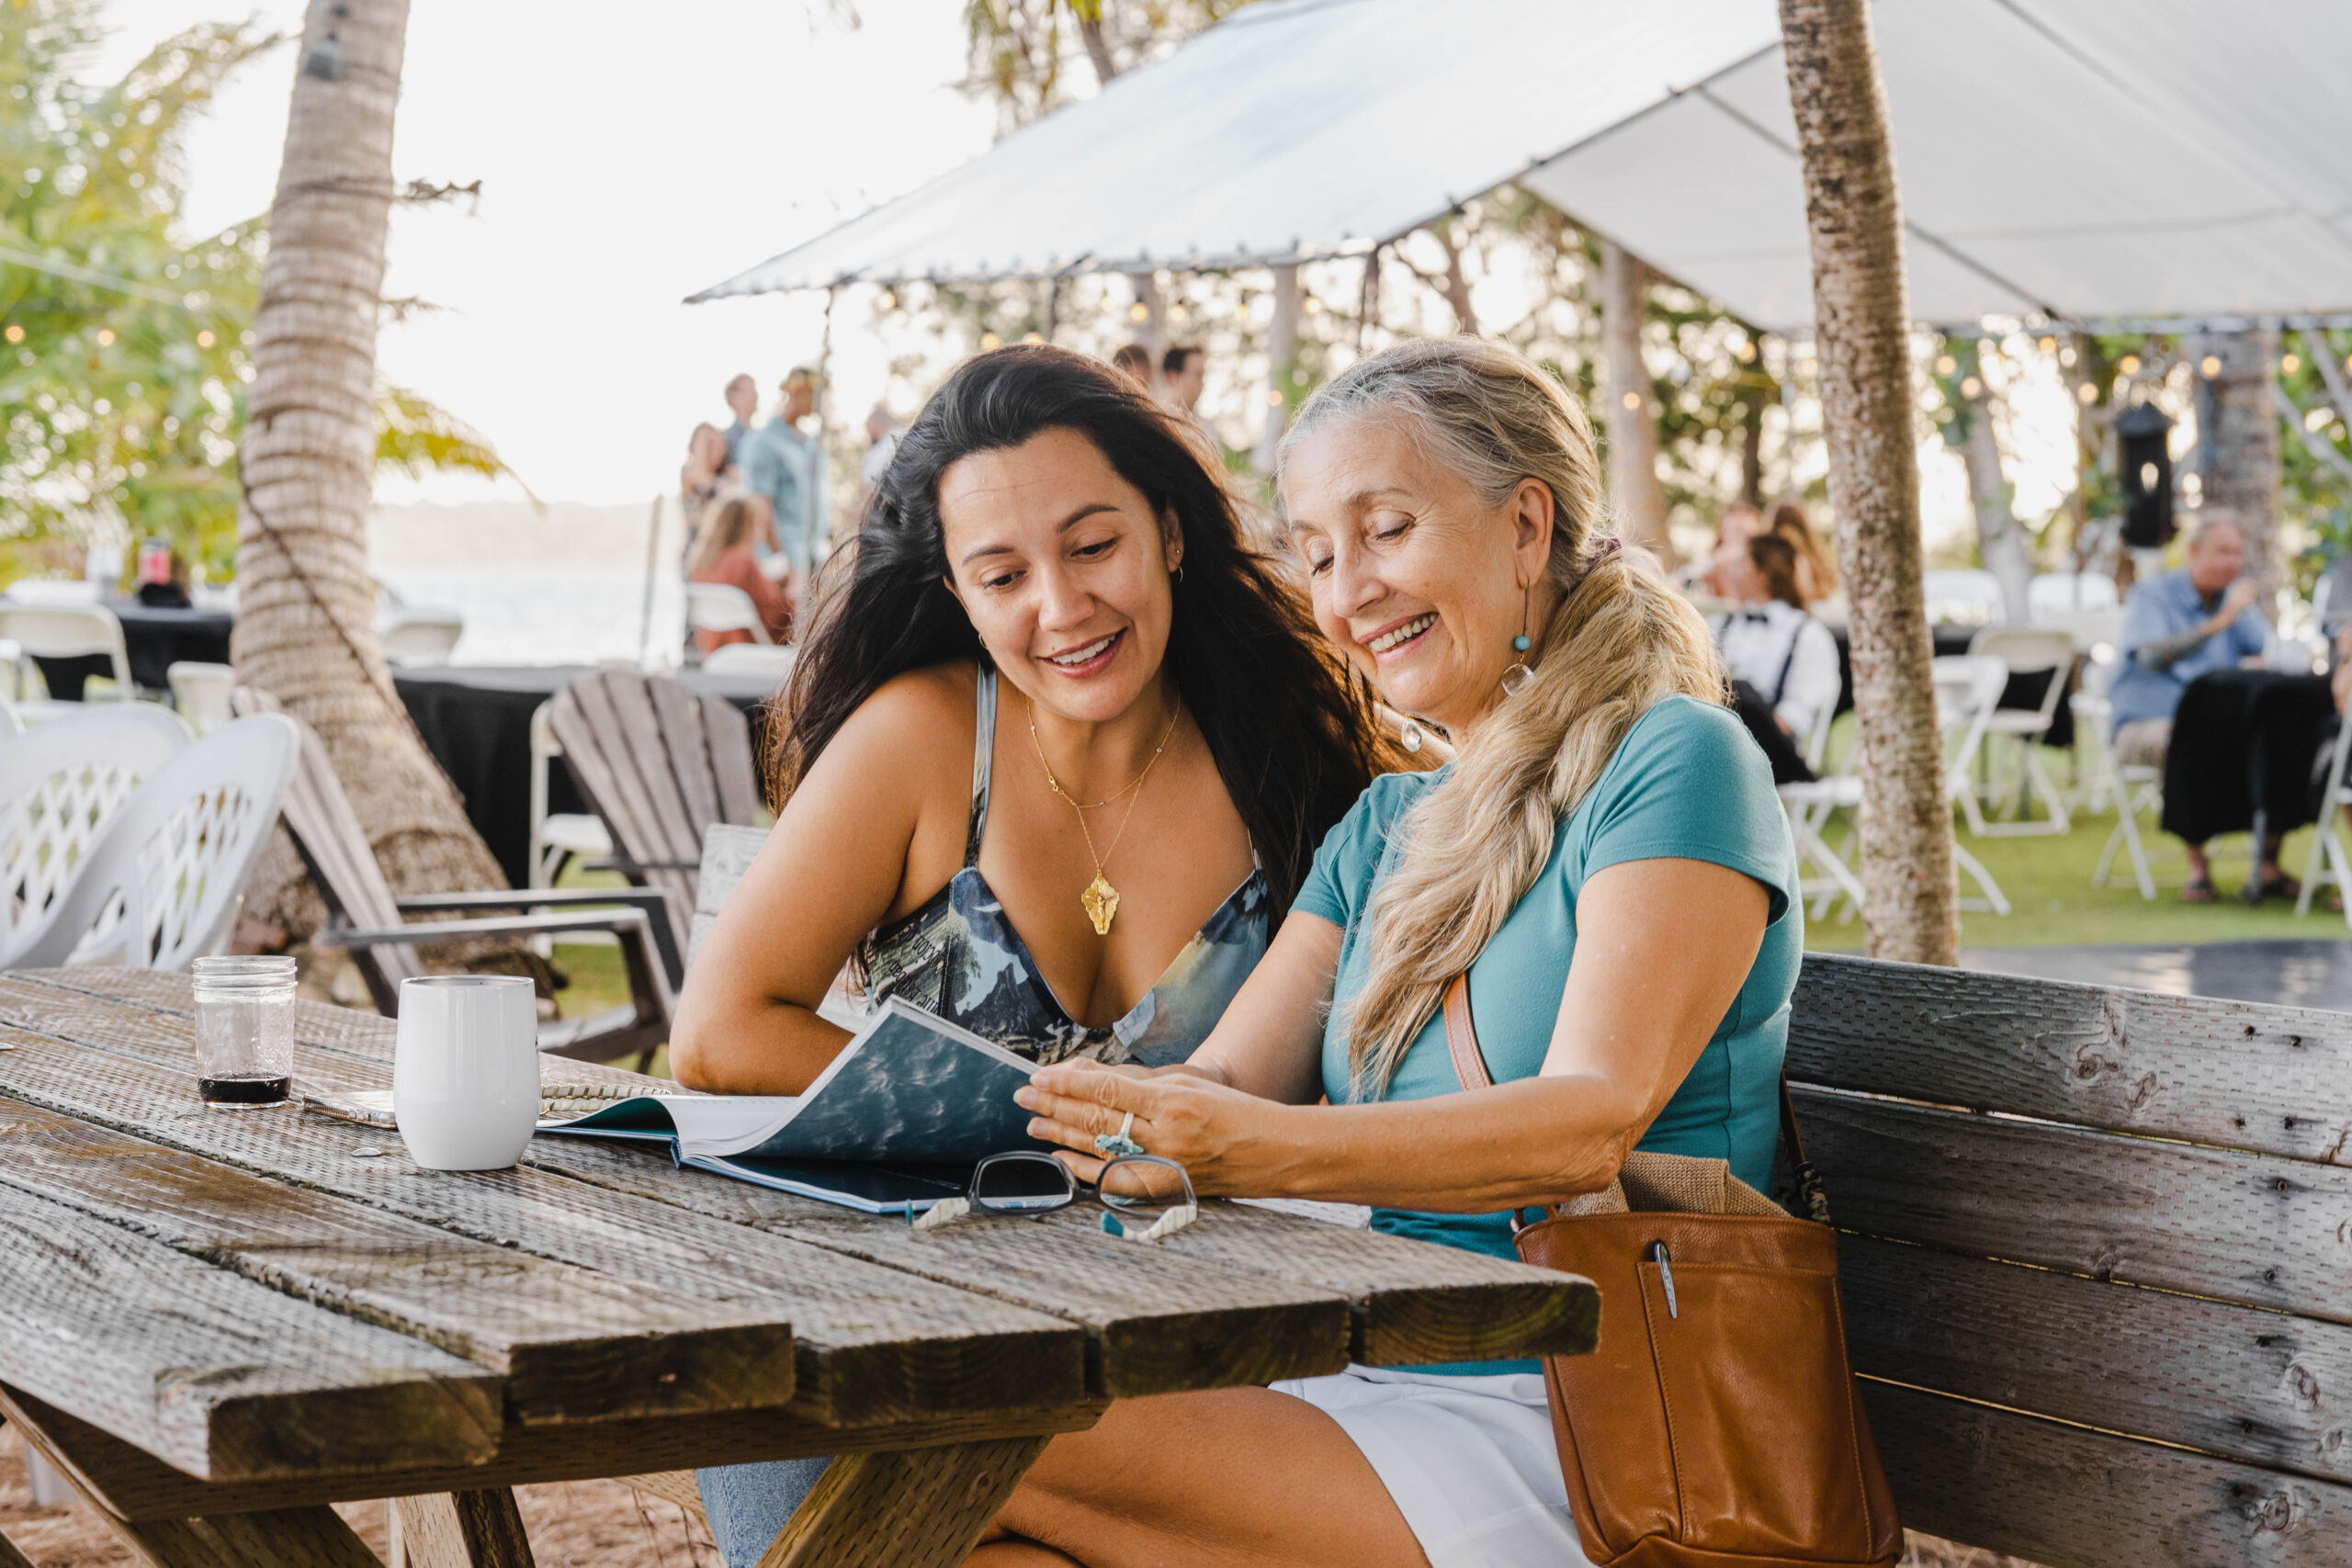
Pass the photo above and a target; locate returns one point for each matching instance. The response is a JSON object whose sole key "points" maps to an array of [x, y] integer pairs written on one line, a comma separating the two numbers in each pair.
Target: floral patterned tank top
{"points": [[959, 957]]}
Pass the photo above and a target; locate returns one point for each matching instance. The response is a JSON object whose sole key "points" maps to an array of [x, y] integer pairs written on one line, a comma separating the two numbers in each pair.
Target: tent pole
{"points": [[1371, 302], [1282, 354]]}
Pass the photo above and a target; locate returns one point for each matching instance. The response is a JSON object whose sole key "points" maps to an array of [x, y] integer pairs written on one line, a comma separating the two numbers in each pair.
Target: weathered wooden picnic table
{"points": [[216, 1324]]}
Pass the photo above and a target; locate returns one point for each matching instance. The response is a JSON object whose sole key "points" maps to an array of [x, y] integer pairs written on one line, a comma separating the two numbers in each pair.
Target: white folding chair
{"points": [[176, 855], [720, 607], [61, 786], [2328, 861], [201, 693], [1810, 805], [559, 838], [418, 634], [1968, 689], [2061, 592], [2023, 651], [770, 663], [66, 631], [1964, 598], [2132, 789]]}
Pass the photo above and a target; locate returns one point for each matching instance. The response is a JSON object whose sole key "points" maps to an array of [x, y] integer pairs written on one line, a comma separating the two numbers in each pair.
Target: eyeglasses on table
{"points": [[1144, 1197]]}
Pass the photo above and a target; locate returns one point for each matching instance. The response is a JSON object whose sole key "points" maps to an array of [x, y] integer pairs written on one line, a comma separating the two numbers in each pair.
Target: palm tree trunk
{"points": [[2000, 540], [2238, 429], [1862, 322], [1632, 423], [305, 598]]}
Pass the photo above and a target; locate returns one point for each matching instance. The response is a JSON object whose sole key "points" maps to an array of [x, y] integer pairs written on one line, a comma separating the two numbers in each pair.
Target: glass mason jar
{"points": [[245, 1031]]}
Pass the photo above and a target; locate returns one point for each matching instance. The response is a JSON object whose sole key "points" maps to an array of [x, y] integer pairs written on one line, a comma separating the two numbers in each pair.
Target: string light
{"points": [[105, 337], [204, 338], [1273, 397], [1633, 400], [1946, 364], [989, 341], [2048, 345], [1971, 387], [1810, 365], [2088, 393], [890, 301], [2129, 364], [1033, 337], [1177, 312], [16, 332], [1314, 305], [2210, 366], [1745, 350], [1139, 312], [2290, 362]]}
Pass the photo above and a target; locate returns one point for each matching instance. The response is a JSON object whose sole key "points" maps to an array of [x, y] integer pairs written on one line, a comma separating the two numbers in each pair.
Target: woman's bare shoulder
{"points": [[901, 725]]}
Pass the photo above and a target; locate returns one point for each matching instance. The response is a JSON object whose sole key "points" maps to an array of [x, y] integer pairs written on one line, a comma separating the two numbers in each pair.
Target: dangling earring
{"points": [[1409, 737], [1518, 676]]}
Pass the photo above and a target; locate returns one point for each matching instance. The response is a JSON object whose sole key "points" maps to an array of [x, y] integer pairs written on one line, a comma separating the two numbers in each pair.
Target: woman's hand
{"points": [[1223, 1137]]}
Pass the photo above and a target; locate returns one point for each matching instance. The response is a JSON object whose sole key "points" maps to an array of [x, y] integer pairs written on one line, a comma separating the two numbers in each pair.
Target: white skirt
{"points": [[1471, 1461]]}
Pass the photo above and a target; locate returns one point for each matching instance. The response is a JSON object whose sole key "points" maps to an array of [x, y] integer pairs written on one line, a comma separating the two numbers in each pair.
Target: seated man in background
{"points": [[2177, 626]]}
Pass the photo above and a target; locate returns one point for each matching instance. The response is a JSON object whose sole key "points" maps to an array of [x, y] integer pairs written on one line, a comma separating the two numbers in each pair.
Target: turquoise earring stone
{"points": [[1521, 642]]}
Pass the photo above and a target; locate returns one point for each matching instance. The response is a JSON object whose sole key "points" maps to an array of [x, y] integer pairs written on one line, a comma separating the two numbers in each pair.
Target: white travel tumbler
{"points": [[466, 1070]]}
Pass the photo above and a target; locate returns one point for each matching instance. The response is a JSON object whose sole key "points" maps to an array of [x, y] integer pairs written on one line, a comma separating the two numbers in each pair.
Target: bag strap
{"points": [[1470, 1067]]}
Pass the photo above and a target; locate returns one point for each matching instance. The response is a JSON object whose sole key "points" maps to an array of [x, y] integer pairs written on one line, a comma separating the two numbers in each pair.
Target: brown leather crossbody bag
{"points": [[1718, 1425]]}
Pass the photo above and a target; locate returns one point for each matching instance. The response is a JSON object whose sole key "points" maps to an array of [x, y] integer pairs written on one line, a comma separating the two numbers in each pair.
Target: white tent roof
{"points": [[2165, 158]]}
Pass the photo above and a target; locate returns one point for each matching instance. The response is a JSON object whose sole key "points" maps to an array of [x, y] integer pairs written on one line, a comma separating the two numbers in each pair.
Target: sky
{"points": [[628, 156]]}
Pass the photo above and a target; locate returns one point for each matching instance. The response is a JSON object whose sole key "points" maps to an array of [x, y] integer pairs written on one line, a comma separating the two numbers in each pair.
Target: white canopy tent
{"points": [[2074, 159]]}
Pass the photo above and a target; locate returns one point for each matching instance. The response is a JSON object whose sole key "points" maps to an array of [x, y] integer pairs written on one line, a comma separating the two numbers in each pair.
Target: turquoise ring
{"points": [[1118, 1144]]}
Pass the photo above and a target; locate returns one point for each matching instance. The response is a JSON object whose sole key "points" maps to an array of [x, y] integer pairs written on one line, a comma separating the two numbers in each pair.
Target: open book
{"points": [[896, 1122]]}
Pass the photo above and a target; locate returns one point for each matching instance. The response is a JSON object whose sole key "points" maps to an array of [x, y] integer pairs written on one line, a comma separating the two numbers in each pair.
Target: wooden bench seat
{"points": [[2098, 1268]]}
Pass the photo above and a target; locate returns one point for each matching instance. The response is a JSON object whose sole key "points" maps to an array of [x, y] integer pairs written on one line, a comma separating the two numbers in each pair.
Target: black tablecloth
{"points": [[2242, 743], [2022, 692], [476, 719], [155, 639]]}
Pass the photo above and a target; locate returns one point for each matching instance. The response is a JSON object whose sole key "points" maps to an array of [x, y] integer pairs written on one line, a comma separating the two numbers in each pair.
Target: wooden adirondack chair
{"points": [[367, 920], [661, 765]]}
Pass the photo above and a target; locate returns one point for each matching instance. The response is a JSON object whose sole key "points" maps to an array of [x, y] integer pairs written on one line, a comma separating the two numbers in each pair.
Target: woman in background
{"points": [[1781, 661], [1816, 574], [723, 553]]}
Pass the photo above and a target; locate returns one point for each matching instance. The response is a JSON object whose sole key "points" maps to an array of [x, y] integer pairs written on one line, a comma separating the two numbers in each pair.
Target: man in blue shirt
{"points": [[2176, 628], [787, 466]]}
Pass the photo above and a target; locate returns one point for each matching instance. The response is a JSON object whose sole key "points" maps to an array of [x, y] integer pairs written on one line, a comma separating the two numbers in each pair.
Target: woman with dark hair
{"points": [[1781, 661], [1052, 762], [1816, 574]]}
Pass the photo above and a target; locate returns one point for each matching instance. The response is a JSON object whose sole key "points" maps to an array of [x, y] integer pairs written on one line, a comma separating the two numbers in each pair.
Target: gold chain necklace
{"points": [[1100, 900]]}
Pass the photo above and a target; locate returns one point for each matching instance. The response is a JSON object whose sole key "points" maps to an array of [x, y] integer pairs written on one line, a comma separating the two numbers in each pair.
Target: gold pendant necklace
{"points": [[1100, 900]]}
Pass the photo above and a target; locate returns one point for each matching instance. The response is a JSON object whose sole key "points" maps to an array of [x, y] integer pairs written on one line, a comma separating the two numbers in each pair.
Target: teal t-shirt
{"points": [[1688, 782]]}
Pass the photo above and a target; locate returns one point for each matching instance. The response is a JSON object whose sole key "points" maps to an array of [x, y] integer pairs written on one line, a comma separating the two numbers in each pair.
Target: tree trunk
{"points": [[305, 599], [1457, 284], [1282, 357], [1751, 451], [1999, 539], [1861, 327], [1633, 422], [1098, 48], [2238, 432]]}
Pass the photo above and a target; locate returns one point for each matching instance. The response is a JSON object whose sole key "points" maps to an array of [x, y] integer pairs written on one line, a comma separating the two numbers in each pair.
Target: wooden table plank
{"points": [[2257, 1386], [215, 1373], [2239, 1075], [1410, 1301], [873, 1342], [137, 1485], [2073, 1498], [572, 1345], [2238, 1227], [924, 1509], [1155, 1323]]}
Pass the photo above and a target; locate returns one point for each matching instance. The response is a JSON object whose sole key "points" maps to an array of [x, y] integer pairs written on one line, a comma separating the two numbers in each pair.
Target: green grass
{"points": [[2048, 883]]}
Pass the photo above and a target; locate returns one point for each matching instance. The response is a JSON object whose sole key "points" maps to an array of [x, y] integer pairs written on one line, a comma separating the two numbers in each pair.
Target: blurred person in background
{"points": [[1781, 661], [743, 400], [725, 552], [882, 445], [1816, 573], [706, 474], [1135, 360], [1184, 371], [2177, 626], [786, 465], [1711, 572]]}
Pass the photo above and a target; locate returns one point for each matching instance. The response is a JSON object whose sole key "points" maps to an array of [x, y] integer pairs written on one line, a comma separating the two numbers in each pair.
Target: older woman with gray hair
{"points": [[1605, 859]]}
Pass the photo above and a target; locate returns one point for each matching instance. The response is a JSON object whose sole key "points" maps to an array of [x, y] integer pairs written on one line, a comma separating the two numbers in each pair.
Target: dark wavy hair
{"points": [[1294, 741]]}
